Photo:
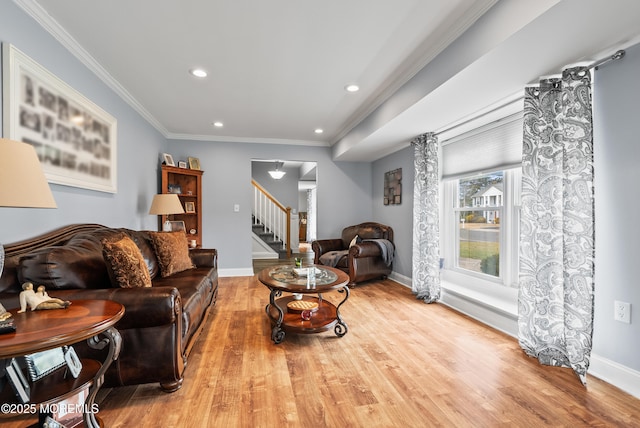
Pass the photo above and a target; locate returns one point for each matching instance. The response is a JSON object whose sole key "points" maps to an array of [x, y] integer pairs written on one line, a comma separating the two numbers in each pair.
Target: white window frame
{"points": [[509, 230]]}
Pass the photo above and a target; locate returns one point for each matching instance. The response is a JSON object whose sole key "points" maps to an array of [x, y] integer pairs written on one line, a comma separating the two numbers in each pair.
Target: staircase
{"points": [[267, 236], [271, 221]]}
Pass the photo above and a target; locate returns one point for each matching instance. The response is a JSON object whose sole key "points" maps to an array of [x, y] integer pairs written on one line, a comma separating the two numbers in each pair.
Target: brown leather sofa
{"points": [[161, 323], [368, 256]]}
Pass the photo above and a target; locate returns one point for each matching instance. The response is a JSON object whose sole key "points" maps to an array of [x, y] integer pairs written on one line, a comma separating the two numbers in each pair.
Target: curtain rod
{"points": [[616, 56]]}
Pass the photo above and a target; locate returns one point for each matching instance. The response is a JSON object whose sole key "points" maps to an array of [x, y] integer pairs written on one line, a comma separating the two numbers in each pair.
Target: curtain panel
{"points": [[555, 304], [425, 282]]}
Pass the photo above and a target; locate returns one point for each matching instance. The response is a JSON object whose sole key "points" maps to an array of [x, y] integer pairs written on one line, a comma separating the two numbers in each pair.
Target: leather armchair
{"points": [[369, 258]]}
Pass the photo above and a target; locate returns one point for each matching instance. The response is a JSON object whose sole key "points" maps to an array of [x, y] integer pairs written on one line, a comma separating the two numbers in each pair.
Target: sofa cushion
{"points": [[76, 265], [172, 251], [125, 264]]}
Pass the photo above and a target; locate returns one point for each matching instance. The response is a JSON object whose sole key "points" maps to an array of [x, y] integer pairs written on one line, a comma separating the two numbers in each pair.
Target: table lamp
{"points": [[166, 204], [22, 181]]}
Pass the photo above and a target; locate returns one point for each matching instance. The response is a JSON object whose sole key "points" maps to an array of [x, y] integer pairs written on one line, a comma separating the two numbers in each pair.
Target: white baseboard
{"points": [[235, 272], [264, 255], [616, 374]]}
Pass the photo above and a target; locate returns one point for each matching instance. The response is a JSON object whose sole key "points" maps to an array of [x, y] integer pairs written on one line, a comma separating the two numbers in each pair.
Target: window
{"points": [[478, 213], [481, 223]]}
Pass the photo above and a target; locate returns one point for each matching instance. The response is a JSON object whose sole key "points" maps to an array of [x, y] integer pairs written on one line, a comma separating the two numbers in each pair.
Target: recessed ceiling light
{"points": [[318, 131], [198, 72], [352, 88], [218, 124]]}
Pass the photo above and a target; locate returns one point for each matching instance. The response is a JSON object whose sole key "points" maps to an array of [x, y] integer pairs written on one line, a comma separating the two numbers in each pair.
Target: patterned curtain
{"points": [[426, 235], [555, 306]]}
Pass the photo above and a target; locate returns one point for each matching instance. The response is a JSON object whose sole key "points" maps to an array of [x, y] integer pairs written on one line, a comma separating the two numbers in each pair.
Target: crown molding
{"points": [[422, 56], [49, 24], [230, 139]]}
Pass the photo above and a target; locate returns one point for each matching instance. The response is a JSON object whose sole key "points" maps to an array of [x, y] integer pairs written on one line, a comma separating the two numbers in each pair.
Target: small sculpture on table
{"points": [[39, 300]]}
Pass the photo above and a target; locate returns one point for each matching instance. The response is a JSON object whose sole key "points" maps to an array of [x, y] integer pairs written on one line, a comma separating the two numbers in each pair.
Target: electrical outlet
{"points": [[622, 311]]}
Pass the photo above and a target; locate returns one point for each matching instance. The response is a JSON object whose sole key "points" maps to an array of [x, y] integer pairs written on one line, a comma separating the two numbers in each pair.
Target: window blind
{"points": [[497, 145]]}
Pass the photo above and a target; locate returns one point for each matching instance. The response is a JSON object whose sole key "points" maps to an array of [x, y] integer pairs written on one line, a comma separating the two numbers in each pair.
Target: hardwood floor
{"points": [[402, 364]]}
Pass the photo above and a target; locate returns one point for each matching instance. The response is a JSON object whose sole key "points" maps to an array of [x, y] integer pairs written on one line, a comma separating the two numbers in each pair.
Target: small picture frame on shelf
{"points": [[194, 163], [42, 363], [168, 159], [18, 381], [182, 164], [177, 226], [174, 188], [190, 207]]}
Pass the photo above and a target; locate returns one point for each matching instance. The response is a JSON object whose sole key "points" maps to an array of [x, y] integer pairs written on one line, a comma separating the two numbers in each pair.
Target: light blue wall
{"points": [[399, 217], [138, 145], [344, 192], [617, 174]]}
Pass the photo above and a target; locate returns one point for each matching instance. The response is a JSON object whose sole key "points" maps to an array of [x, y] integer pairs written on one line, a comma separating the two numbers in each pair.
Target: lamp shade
{"points": [[22, 181], [165, 204], [277, 174]]}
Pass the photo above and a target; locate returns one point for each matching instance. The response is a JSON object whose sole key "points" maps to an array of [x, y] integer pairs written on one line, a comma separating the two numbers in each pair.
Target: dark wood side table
{"points": [[36, 331], [323, 317]]}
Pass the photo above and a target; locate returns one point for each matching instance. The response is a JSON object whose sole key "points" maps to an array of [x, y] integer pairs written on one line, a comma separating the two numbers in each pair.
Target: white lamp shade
{"points": [[165, 204], [277, 174], [22, 181]]}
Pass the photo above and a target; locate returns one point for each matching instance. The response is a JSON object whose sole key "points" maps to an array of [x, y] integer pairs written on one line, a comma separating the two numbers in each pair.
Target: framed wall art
{"points": [[393, 187], [74, 138]]}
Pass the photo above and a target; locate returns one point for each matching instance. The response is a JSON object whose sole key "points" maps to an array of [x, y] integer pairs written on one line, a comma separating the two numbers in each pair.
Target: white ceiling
{"points": [[278, 68]]}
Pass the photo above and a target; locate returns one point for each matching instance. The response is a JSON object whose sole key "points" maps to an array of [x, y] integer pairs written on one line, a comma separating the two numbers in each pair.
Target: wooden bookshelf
{"points": [[187, 184]]}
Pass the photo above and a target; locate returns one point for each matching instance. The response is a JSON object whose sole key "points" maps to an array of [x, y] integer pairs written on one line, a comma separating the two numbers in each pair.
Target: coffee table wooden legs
{"points": [[277, 333], [111, 338], [325, 315]]}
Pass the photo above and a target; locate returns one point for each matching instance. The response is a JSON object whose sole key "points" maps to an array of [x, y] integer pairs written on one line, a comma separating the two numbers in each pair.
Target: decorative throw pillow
{"points": [[356, 240], [125, 263], [172, 251]]}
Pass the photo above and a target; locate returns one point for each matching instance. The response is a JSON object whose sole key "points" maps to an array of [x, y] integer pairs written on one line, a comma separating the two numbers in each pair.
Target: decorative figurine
{"points": [[40, 300], [4, 314]]}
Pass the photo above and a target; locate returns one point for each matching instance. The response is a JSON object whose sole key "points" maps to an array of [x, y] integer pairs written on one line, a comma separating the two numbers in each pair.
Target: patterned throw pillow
{"points": [[172, 251], [125, 263]]}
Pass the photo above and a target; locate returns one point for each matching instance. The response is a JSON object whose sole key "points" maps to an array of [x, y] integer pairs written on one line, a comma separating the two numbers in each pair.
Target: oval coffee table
{"points": [[310, 314]]}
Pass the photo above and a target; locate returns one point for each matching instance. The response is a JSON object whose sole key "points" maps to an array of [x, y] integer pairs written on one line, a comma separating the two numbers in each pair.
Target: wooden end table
{"points": [[36, 331], [324, 315]]}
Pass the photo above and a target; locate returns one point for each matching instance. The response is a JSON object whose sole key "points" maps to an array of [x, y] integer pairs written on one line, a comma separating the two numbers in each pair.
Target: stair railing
{"points": [[275, 217]]}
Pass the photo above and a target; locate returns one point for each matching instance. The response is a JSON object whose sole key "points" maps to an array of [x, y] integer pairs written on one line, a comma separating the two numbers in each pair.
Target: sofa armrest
{"points": [[143, 307], [204, 257], [365, 249], [322, 246]]}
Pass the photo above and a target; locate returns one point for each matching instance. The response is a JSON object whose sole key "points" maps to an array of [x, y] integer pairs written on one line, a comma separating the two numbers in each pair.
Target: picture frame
{"points": [[177, 226], [76, 140], [17, 380], [168, 159], [182, 164], [190, 207], [393, 187], [194, 163], [43, 363]]}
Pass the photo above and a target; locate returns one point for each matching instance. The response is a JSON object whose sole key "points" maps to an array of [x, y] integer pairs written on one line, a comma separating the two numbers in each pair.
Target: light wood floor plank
{"points": [[402, 364]]}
